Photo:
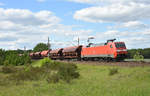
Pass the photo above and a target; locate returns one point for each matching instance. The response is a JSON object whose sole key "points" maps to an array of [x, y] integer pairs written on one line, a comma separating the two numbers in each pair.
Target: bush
{"points": [[138, 57], [113, 71], [51, 71], [62, 71], [45, 61], [54, 78], [32, 74], [68, 71]]}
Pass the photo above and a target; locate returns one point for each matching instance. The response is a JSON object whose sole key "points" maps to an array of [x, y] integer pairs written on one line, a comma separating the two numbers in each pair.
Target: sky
{"points": [[29, 22]]}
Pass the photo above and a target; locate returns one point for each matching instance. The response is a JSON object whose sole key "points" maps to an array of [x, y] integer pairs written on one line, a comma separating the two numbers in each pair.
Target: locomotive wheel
{"points": [[85, 59], [108, 59]]}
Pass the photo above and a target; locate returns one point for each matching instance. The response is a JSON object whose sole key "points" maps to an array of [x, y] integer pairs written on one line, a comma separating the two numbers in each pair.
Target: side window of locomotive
{"points": [[111, 46]]}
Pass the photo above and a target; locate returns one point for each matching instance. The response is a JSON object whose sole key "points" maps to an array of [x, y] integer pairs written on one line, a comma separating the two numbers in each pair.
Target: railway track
{"points": [[123, 63]]}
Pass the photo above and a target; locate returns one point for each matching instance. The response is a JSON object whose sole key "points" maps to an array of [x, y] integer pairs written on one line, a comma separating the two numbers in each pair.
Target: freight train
{"points": [[109, 51]]}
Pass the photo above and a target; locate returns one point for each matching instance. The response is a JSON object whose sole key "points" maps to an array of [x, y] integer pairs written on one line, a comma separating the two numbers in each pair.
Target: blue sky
{"points": [[28, 22]]}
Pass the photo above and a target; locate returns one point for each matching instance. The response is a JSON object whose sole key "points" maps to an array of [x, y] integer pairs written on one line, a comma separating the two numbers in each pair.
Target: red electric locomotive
{"points": [[106, 51]]}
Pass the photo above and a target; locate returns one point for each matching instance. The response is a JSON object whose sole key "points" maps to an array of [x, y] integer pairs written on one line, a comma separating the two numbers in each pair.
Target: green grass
{"points": [[94, 81], [36, 64]]}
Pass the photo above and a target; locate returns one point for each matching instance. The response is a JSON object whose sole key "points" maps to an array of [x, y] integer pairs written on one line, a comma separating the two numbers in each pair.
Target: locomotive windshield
{"points": [[120, 45]]}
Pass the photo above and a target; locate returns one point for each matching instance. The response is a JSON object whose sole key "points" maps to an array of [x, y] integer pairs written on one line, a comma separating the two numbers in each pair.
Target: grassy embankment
{"points": [[93, 81]]}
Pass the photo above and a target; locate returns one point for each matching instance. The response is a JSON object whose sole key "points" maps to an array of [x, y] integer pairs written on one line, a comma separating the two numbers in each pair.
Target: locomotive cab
{"points": [[120, 50]]}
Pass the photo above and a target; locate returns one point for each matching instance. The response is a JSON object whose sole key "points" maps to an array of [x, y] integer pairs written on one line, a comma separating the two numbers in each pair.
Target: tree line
{"points": [[144, 52], [14, 57], [19, 57]]}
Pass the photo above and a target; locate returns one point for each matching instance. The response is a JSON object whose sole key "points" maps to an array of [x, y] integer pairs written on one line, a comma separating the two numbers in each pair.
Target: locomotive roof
{"points": [[119, 42], [98, 44]]}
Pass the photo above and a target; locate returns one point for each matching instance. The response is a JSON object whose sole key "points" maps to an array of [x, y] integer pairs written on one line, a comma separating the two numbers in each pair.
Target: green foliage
{"points": [[113, 71], [42, 62], [40, 47], [46, 61], [67, 72], [62, 71], [138, 57], [25, 75], [25, 59], [54, 78], [12, 57], [144, 52], [50, 71], [2, 56]]}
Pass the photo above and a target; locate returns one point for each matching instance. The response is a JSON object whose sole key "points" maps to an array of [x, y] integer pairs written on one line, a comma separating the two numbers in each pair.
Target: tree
{"points": [[40, 47], [138, 57], [2, 56], [144, 52], [13, 58]]}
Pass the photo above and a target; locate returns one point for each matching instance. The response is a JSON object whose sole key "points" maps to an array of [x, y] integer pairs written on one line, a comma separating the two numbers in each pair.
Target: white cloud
{"points": [[111, 32], [86, 1], [114, 13], [147, 32], [26, 17], [133, 39], [127, 19], [131, 25], [110, 1], [20, 27]]}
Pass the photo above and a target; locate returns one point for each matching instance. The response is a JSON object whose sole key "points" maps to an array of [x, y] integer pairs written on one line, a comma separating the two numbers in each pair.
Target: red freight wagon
{"points": [[107, 51], [45, 53], [72, 52], [31, 55], [36, 55], [56, 54]]}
